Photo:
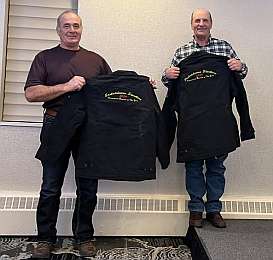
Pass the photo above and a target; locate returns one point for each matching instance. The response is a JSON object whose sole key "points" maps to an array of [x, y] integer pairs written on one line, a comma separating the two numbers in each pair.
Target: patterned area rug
{"points": [[109, 248]]}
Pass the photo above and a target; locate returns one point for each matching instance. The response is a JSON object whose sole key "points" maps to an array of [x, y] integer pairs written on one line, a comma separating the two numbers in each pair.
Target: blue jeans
{"points": [[212, 184], [48, 205]]}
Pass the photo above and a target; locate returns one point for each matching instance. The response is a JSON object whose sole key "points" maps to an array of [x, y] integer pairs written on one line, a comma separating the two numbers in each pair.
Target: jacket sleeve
{"points": [[162, 151], [169, 116], [246, 128]]}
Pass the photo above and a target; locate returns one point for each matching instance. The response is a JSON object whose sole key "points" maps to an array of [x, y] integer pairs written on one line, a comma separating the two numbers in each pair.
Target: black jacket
{"points": [[202, 96], [119, 126], [65, 129], [124, 130]]}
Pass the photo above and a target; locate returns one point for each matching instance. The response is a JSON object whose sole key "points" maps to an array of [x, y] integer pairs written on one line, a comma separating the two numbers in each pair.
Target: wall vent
{"points": [[143, 203], [256, 207], [105, 203]]}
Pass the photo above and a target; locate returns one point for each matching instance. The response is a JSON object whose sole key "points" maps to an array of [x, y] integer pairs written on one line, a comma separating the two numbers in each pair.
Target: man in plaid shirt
{"points": [[214, 183], [201, 23]]}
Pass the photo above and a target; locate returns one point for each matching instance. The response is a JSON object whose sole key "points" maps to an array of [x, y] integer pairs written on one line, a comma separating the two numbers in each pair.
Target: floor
{"points": [[114, 248], [243, 239]]}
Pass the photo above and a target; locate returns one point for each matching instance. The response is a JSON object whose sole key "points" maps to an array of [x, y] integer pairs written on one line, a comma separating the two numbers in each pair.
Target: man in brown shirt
{"points": [[54, 74]]}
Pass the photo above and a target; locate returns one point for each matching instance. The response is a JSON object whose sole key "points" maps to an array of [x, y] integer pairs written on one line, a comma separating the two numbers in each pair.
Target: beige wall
{"points": [[142, 35]]}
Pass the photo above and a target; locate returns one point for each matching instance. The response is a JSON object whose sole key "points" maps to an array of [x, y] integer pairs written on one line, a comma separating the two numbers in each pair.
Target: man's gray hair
{"points": [[66, 12]]}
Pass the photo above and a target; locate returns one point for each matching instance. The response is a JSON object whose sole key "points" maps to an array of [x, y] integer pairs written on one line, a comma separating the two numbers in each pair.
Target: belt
{"points": [[51, 112]]}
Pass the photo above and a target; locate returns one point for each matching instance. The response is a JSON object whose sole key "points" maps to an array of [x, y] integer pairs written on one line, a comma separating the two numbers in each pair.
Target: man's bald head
{"points": [[201, 10]]}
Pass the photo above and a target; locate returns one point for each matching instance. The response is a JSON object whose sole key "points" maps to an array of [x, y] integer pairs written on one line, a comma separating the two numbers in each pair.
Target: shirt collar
{"points": [[197, 45]]}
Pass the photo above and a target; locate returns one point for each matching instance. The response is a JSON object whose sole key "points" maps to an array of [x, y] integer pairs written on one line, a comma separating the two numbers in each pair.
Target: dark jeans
{"points": [[212, 184], [48, 206]]}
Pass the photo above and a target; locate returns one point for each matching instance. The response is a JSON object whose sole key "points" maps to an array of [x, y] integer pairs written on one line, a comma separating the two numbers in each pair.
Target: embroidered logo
{"points": [[123, 96], [202, 74]]}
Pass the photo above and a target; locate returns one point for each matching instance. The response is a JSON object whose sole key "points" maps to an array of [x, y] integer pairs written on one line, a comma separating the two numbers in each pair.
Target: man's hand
{"points": [[172, 73], [235, 64], [75, 84]]}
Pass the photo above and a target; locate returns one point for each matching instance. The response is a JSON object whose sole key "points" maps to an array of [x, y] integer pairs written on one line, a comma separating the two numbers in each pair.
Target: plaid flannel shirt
{"points": [[214, 46]]}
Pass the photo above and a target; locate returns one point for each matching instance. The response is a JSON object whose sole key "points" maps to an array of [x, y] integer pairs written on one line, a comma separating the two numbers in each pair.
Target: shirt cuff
{"points": [[243, 71]]}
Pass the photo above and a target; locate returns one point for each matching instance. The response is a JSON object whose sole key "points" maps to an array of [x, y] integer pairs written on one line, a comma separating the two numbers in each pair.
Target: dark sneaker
{"points": [[195, 219], [42, 250], [216, 219], [86, 249]]}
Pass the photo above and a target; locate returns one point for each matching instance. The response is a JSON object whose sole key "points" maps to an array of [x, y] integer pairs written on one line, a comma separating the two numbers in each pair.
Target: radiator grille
{"points": [[131, 203], [104, 204], [247, 207]]}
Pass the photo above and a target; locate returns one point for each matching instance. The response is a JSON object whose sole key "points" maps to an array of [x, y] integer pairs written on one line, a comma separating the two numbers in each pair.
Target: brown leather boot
{"points": [[216, 219], [42, 250], [86, 249], [195, 219]]}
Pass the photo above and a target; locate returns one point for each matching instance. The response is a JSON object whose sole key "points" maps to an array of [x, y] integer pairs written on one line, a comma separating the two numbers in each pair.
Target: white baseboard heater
{"points": [[125, 214]]}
